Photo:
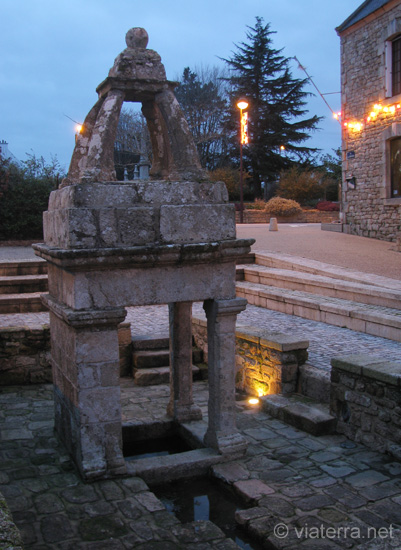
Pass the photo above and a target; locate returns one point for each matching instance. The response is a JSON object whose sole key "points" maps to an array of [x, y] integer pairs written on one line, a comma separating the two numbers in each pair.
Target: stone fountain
{"points": [[111, 244]]}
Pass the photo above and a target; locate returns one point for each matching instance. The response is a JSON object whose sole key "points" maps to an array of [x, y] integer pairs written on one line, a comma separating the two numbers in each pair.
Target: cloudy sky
{"points": [[54, 53]]}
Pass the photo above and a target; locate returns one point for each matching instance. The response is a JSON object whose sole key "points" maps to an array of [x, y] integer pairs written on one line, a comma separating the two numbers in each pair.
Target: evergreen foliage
{"points": [[261, 75]]}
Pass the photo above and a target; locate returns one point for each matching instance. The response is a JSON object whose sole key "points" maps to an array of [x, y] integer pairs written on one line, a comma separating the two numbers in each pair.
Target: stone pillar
{"points": [[85, 362], [181, 406], [222, 433], [99, 165]]}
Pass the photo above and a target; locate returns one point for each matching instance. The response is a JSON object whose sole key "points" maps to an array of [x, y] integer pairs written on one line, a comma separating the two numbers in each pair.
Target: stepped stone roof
{"points": [[365, 9]]}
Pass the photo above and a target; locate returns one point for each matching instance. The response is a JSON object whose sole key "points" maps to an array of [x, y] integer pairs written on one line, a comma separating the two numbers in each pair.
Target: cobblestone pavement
{"points": [[302, 491], [326, 341]]}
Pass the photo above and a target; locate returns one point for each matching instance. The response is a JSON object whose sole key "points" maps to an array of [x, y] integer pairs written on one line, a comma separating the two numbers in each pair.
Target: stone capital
{"points": [[219, 308], [86, 318]]}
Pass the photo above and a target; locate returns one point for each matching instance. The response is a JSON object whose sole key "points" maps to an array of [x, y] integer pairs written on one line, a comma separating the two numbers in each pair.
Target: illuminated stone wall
{"points": [[368, 207]]}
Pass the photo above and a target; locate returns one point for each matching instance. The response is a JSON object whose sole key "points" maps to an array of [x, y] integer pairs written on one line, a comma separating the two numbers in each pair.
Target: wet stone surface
{"points": [[303, 491]]}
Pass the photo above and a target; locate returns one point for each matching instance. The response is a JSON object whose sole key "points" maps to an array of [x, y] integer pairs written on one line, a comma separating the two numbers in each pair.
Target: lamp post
{"points": [[242, 104]]}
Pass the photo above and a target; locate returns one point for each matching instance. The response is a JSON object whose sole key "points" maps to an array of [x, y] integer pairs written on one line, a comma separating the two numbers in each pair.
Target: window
{"points": [[396, 66], [395, 161]]}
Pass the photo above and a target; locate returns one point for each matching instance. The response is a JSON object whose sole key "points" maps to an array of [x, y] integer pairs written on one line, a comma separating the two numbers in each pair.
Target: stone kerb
{"points": [[366, 399], [266, 362]]}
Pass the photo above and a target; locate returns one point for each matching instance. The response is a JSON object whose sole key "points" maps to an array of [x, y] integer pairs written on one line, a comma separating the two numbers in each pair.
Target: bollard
{"points": [[273, 224]]}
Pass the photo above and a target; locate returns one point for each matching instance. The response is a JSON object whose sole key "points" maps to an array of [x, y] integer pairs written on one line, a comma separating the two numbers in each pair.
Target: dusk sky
{"points": [[55, 53]]}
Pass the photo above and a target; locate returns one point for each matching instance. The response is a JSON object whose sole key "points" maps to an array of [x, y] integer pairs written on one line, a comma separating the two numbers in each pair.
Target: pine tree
{"points": [[261, 75]]}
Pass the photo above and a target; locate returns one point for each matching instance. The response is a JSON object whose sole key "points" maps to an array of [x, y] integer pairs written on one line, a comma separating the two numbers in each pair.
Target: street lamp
{"points": [[242, 104]]}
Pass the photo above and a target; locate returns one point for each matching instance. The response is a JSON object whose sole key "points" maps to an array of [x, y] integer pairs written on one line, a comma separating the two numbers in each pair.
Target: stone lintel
{"points": [[144, 256], [85, 318], [136, 90]]}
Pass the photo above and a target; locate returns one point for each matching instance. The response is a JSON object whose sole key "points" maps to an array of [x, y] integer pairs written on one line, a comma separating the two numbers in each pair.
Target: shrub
{"points": [[258, 204], [277, 206], [21, 208], [328, 206], [301, 185]]}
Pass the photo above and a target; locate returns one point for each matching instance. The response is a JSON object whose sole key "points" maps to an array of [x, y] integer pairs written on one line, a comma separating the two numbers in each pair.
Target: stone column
{"points": [[222, 432], [85, 362], [181, 406]]}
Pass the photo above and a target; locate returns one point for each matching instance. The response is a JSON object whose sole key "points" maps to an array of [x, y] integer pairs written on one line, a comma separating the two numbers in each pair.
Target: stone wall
{"points": [[366, 399], [368, 208], [25, 355], [266, 362], [306, 216]]}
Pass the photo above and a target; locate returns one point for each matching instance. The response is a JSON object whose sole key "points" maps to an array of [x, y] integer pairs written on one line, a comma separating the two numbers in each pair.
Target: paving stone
{"points": [[278, 506], [313, 502], [149, 501], [252, 489], [348, 498], [337, 469], [260, 434], [366, 478], [298, 490], [323, 482], [110, 490], [381, 490], [48, 504], [56, 530], [230, 472], [80, 494], [323, 456], [101, 528]]}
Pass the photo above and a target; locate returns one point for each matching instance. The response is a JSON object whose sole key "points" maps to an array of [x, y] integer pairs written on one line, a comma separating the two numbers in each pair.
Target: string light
{"points": [[377, 110]]}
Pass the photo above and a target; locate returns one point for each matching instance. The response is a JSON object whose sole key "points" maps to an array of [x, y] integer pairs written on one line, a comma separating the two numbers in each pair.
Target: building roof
{"points": [[365, 9]]}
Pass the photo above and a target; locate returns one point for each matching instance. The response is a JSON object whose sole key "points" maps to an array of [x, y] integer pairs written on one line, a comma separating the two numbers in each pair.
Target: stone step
{"points": [[294, 263], [149, 342], [20, 284], [322, 285], [150, 359], [21, 303], [22, 267], [160, 375], [300, 412], [375, 320]]}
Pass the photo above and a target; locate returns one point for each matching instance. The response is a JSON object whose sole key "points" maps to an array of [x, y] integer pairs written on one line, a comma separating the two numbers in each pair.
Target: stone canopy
{"points": [[137, 75]]}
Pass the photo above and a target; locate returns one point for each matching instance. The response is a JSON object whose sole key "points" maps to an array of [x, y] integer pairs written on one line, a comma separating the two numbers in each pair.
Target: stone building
{"points": [[371, 119]]}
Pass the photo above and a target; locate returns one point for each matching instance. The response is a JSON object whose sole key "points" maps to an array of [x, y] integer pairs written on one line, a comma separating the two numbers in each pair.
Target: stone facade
{"points": [[366, 399], [368, 208]]}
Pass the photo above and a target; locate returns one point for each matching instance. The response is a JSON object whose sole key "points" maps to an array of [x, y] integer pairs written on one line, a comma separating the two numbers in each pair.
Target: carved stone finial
{"points": [[136, 38]]}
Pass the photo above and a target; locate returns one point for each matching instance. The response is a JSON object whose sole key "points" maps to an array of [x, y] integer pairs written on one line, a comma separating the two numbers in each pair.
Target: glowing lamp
{"points": [[242, 104], [78, 128], [385, 109], [392, 109], [253, 401]]}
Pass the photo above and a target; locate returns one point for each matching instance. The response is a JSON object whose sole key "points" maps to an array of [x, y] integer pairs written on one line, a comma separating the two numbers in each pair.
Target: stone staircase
{"points": [[324, 293], [21, 284], [151, 359]]}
